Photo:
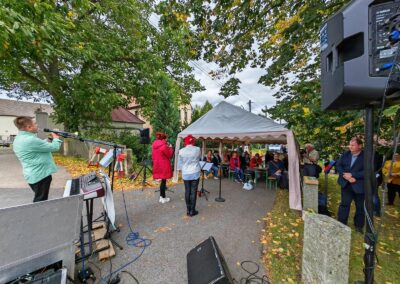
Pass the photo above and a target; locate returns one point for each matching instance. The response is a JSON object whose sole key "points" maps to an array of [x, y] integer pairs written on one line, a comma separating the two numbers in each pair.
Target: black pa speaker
{"points": [[206, 264], [356, 56], [144, 136]]}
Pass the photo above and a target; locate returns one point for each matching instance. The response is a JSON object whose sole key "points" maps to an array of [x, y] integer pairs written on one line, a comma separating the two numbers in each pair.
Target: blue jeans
{"points": [[238, 174], [214, 170]]}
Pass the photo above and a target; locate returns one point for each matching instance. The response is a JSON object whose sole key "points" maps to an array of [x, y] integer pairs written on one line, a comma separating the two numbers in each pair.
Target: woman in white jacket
{"points": [[188, 163]]}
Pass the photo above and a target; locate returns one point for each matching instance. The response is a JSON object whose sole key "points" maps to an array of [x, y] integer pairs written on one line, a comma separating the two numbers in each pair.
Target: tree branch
{"points": [[31, 77]]}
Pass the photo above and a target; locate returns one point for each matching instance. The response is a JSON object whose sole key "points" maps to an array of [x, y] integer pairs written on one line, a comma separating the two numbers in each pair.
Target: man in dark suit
{"points": [[350, 168]]}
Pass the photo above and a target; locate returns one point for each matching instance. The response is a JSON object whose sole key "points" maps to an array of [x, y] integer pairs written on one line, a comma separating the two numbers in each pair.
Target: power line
{"points": [[202, 67]]}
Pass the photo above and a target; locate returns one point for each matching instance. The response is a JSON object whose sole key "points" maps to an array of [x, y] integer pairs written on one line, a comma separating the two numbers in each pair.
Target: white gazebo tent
{"points": [[227, 123]]}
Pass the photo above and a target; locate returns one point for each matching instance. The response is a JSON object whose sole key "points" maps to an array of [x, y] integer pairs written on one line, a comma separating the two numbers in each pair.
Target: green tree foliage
{"points": [[199, 111], [166, 115], [89, 56], [281, 37]]}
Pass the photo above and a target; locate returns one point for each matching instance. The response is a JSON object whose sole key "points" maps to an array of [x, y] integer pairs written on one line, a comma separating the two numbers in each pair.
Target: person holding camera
{"points": [[310, 160]]}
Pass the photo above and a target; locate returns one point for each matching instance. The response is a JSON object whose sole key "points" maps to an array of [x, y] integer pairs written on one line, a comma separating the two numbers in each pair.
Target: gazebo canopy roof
{"points": [[229, 123]]}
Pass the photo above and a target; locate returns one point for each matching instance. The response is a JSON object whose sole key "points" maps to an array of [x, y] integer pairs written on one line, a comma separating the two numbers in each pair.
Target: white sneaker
{"points": [[161, 200], [164, 200], [216, 178]]}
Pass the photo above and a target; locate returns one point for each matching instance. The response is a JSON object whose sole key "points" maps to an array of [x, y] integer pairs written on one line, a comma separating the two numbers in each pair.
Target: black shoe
{"points": [[360, 230], [193, 213]]}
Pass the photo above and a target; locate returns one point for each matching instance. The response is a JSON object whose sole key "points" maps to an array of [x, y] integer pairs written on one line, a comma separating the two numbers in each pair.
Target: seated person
{"points": [[256, 162], [207, 158], [216, 160], [244, 161], [235, 167], [276, 169]]}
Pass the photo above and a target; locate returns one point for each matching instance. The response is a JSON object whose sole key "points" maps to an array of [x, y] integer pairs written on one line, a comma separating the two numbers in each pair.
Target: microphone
{"points": [[61, 133]]}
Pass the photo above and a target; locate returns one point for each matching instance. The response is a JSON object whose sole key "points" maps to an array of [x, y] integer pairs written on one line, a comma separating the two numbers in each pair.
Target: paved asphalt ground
{"points": [[235, 224]]}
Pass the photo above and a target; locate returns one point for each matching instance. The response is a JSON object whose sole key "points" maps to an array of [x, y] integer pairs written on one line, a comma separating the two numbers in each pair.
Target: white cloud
{"points": [[260, 95]]}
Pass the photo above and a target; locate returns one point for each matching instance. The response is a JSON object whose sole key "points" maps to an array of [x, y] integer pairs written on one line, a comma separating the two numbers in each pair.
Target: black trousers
{"points": [[348, 195], [41, 189], [191, 194], [163, 187], [392, 189]]}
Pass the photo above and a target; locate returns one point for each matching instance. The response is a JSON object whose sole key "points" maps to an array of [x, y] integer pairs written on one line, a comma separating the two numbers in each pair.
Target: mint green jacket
{"points": [[35, 155]]}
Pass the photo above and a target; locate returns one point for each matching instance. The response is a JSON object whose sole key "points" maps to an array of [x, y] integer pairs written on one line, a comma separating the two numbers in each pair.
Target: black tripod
{"points": [[202, 190], [145, 167]]}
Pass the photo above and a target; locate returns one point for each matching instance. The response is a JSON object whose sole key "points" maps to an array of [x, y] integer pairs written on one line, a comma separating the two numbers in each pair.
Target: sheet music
{"points": [[205, 166]]}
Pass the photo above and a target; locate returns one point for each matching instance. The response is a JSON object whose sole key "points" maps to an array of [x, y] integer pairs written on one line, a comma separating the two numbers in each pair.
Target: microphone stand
{"points": [[219, 198]]}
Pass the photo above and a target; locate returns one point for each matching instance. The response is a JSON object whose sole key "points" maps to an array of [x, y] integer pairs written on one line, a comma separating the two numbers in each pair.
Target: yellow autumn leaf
{"points": [[306, 111]]}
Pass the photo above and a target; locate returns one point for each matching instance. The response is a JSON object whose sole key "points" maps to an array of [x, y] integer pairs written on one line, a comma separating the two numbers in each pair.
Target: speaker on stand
{"points": [[145, 140]]}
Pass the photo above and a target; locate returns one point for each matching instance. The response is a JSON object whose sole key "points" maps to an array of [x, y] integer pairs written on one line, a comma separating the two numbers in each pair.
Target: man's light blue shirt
{"points": [[353, 159], [35, 155]]}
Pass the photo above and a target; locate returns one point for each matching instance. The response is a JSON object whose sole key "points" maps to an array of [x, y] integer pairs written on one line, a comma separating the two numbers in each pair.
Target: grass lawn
{"points": [[283, 236]]}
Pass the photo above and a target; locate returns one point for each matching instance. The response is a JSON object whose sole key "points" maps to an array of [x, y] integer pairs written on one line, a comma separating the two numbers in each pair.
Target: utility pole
{"points": [[249, 103]]}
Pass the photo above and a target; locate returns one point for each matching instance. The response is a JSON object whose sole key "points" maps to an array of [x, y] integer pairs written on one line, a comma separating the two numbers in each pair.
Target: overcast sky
{"points": [[260, 95]]}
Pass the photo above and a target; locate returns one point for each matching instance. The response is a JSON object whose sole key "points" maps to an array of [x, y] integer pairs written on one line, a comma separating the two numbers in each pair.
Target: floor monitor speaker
{"points": [[206, 264]]}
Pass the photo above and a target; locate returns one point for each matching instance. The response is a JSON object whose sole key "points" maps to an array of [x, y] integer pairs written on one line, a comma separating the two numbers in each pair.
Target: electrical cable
{"points": [[132, 239], [252, 277], [373, 236], [127, 272], [199, 66]]}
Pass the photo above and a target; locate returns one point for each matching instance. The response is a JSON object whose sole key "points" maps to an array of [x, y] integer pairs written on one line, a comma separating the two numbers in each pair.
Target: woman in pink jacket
{"points": [[161, 155]]}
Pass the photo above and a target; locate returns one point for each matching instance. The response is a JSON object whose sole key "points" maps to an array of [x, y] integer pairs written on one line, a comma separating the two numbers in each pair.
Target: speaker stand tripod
{"points": [[144, 168]]}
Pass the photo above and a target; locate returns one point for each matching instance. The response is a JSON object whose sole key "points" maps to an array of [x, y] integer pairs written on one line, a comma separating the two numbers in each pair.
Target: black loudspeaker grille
{"points": [[145, 136], [206, 264]]}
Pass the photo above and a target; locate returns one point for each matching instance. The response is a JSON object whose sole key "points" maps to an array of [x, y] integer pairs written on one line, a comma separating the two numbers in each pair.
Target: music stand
{"points": [[202, 190]]}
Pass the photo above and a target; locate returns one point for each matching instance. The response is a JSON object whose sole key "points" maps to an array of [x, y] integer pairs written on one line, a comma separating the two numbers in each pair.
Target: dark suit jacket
{"points": [[357, 171]]}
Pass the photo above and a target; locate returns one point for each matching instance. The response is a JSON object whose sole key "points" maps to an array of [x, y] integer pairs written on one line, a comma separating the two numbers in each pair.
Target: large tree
{"points": [[200, 110], [89, 56], [166, 115], [282, 38]]}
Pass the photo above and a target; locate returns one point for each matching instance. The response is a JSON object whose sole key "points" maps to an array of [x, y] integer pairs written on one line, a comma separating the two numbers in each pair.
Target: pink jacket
{"points": [[161, 154]]}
